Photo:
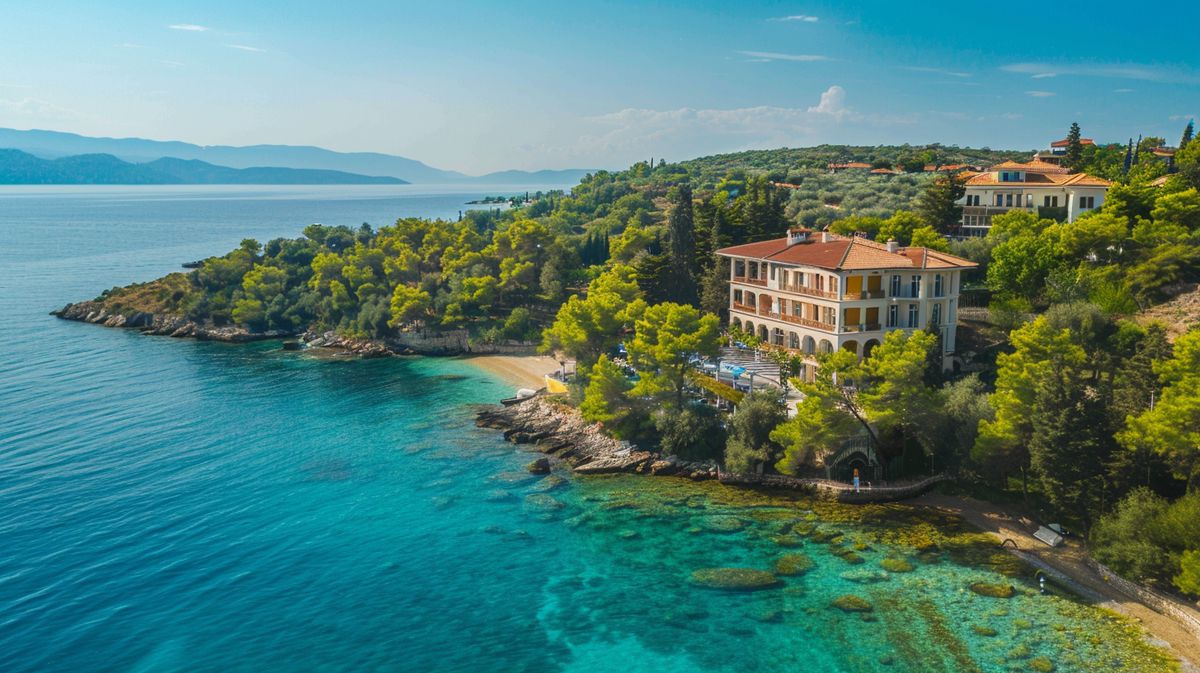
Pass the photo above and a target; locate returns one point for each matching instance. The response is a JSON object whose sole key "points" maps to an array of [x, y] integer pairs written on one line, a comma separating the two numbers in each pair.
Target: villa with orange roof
{"points": [[813, 292], [1038, 186]]}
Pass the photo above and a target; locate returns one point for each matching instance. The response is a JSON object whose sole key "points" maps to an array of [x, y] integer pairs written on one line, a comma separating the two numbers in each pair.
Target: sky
{"points": [[483, 86]]}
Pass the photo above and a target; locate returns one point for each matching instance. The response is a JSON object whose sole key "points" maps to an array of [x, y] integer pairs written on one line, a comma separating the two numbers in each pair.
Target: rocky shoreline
{"points": [[160, 324], [558, 431], [424, 342]]}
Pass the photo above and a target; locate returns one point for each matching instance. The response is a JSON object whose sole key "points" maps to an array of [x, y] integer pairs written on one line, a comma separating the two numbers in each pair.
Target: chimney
{"points": [[798, 235], [892, 245], [826, 237]]}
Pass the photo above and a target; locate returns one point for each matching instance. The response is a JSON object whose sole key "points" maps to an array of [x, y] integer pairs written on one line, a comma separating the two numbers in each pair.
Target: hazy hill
{"points": [[53, 144], [22, 168]]}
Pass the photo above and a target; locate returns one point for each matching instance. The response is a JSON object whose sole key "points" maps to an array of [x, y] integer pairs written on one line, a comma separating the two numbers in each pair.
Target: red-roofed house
{"points": [[1037, 186], [813, 292]]}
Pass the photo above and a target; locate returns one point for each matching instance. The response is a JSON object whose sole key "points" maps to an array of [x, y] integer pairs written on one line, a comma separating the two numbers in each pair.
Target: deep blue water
{"points": [[169, 505]]}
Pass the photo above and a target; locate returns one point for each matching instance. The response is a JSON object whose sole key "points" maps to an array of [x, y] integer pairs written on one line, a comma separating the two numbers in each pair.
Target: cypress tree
{"points": [[1129, 156], [1188, 131], [1074, 156], [681, 248]]}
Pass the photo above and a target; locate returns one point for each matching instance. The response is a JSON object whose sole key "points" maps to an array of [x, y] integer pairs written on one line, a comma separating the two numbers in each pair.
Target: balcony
{"points": [[744, 308], [866, 294], [812, 292], [750, 281], [864, 327], [805, 322]]}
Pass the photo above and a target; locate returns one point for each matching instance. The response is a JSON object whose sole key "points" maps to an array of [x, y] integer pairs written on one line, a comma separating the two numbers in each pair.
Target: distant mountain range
{"points": [[56, 144], [22, 168]]}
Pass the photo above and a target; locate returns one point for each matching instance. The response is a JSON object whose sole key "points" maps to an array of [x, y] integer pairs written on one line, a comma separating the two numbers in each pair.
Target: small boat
{"points": [[522, 395]]}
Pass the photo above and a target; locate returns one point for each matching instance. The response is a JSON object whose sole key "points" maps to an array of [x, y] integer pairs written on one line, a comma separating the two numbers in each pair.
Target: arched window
{"points": [[793, 340], [825, 346], [810, 345], [777, 337], [763, 335]]}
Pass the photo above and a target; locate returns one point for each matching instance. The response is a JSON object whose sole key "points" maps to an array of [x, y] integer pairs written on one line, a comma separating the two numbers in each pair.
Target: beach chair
{"points": [[1048, 536]]}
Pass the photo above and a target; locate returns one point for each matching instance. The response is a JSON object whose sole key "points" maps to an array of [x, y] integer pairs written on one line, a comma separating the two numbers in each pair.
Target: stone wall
{"points": [[1187, 617]]}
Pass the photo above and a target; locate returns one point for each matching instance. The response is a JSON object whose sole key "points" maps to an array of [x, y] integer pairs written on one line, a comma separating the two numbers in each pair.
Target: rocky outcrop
{"points": [[360, 347], [160, 324], [558, 431]]}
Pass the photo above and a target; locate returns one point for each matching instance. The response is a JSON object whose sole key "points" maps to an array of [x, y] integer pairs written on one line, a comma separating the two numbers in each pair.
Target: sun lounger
{"points": [[1048, 536]]}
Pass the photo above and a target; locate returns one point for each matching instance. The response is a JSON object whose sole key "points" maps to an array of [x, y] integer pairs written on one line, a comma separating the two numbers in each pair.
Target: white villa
{"points": [[1037, 186], [812, 292]]}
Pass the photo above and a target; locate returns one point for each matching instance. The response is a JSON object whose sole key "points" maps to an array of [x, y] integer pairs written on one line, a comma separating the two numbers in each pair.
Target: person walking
{"points": [[856, 480]]}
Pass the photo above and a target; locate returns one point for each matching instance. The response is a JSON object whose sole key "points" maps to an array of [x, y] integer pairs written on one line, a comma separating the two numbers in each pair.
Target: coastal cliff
{"points": [[558, 431], [424, 342], [159, 324]]}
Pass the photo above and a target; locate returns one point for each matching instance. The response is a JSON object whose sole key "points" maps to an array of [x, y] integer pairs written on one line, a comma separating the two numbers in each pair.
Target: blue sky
{"points": [[479, 86]]}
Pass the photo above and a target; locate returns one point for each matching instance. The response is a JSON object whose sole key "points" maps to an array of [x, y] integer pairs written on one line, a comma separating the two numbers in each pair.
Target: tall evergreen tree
{"points": [[1074, 157], [1188, 132], [938, 204], [681, 248], [1069, 445], [1129, 156]]}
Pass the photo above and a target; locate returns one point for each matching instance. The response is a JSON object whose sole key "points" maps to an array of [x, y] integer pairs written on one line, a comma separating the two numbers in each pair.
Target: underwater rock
{"points": [[865, 576], [985, 631], [722, 524], [539, 466], [788, 541], [1041, 665], [852, 603], [547, 483], [767, 615], [540, 502], [994, 590], [735, 579], [896, 565], [793, 564]]}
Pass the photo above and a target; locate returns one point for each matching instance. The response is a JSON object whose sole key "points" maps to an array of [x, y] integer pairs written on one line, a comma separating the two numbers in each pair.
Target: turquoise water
{"points": [[178, 506]]}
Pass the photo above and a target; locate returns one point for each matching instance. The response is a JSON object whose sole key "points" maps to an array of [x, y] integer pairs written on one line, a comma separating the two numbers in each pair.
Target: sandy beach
{"points": [[522, 371]]}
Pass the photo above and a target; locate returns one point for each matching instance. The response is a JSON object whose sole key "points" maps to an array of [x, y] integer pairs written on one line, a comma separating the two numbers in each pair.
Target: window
{"points": [[1087, 202], [999, 199], [935, 315], [1046, 202], [1029, 200], [737, 296], [833, 283], [893, 316], [798, 309], [772, 266], [830, 315], [1054, 202], [914, 313], [1008, 200], [800, 279], [914, 287], [895, 288], [820, 282], [937, 285]]}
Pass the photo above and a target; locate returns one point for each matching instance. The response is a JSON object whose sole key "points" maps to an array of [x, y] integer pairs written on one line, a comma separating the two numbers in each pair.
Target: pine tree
{"points": [[1070, 445], [681, 248], [1188, 132], [938, 204], [1074, 157]]}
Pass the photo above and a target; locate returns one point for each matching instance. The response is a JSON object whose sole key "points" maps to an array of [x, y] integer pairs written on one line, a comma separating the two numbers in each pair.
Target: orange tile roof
{"points": [[1038, 173], [1163, 151], [1065, 142], [851, 253], [852, 164], [883, 171]]}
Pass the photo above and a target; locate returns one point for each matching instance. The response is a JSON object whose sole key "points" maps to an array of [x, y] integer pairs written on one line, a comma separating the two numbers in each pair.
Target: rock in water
{"points": [[793, 564], [896, 565], [539, 466], [994, 590], [735, 579], [852, 603]]}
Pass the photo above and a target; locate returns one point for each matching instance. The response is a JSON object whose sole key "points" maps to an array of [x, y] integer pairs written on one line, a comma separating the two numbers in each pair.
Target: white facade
{"points": [[810, 310], [1037, 187]]}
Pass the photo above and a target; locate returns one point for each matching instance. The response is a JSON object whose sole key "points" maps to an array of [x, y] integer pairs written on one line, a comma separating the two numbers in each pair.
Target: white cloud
{"points": [[1182, 118], [1039, 94], [1122, 90], [37, 108], [806, 18], [936, 71], [777, 56], [244, 47], [1117, 71], [190, 27], [833, 103]]}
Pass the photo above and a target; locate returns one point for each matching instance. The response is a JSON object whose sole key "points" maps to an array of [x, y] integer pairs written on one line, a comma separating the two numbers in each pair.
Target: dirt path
{"points": [[1068, 559]]}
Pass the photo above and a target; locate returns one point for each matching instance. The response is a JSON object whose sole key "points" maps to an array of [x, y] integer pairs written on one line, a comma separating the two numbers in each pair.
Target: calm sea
{"points": [[168, 505]]}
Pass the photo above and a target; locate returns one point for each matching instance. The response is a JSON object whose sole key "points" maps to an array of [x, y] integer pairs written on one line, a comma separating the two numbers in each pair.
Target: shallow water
{"points": [[171, 505]]}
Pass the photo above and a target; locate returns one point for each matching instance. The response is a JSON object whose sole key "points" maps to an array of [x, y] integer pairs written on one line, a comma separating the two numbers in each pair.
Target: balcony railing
{"points": [[750, 281], [805, 322], [745, 308], [866, 294], [863, 327], [988, 211], [810, 291]]}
